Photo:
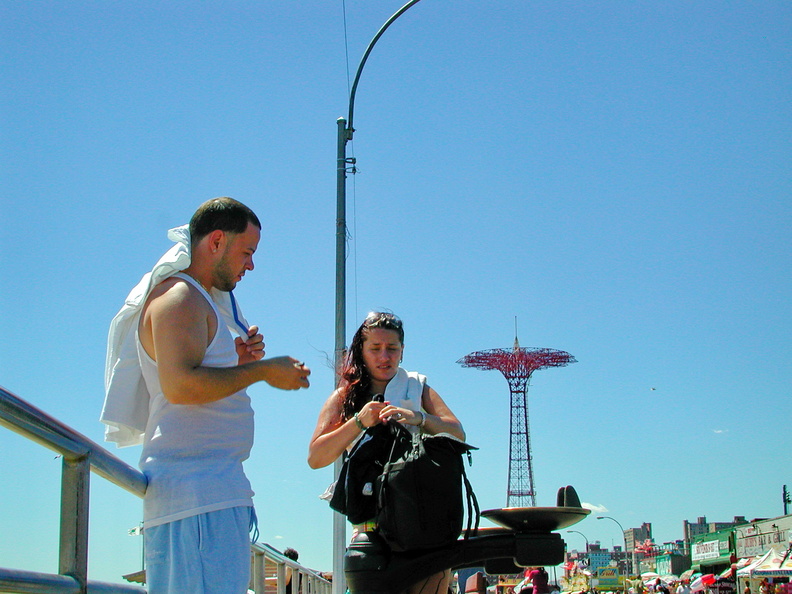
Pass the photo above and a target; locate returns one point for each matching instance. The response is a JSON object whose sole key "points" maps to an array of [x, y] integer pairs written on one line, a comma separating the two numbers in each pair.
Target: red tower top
{"points": [[517, 362]]}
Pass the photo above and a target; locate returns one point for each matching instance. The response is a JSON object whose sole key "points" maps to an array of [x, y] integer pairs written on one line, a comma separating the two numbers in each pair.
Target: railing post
{"points": [[280, 582], [259, 571], [75, 487]]}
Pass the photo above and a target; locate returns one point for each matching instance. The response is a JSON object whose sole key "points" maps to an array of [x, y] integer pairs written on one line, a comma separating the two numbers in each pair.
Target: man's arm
{"points": [[179, 322]]}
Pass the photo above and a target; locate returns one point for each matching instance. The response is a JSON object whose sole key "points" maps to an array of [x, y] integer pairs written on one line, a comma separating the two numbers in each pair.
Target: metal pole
{"points": [[341, 236], [74, 520], [371, 44], [630, 563], [345, 133], [584, 537], [339, 521]]}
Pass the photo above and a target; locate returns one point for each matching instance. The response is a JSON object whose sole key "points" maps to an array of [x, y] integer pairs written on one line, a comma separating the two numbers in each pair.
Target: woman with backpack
{"points": [[372, 369]]}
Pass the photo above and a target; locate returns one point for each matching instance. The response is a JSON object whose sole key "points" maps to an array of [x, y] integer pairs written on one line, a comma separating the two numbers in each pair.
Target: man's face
{"points": [[237, 258]]}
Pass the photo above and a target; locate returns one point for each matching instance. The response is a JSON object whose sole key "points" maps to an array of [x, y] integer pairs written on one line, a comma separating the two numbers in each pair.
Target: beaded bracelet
{"points": [[423, 419], [359, 423]]}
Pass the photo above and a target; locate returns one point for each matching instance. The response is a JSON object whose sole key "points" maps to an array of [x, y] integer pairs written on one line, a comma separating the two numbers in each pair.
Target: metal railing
{"points": [[81, 456], [271, 568]]}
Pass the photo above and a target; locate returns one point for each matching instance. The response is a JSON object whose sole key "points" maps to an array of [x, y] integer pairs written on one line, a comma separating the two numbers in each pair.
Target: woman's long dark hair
{"points": [[355, 379]]}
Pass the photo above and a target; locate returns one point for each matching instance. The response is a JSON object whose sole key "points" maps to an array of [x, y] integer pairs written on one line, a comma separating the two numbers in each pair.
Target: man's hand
{"points": [[251, 349], [286, 373]]}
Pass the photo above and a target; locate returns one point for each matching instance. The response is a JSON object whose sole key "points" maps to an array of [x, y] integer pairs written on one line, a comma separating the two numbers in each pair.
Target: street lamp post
{"points": [[584, 538], [588, 561], [345, 132], [628, 562]]}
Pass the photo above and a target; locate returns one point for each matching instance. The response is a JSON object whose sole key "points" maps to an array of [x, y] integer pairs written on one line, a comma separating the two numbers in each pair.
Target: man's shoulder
{"points": [[176, 293]]}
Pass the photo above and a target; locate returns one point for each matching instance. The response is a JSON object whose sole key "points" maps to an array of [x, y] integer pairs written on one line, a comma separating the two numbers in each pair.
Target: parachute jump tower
{"points": [[517, 365]]}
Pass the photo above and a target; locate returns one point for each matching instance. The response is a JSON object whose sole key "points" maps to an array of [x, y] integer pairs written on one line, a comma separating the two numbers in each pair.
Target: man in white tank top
{"points": [[198, 504]]}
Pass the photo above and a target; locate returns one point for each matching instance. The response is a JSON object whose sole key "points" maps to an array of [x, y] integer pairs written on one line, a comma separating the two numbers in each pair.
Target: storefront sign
{"points": [[708, 549], [756, 544], [609, 578]]}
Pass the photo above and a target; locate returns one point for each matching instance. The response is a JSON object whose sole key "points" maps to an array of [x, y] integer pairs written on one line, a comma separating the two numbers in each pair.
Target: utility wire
{"points": [[350, 238]]}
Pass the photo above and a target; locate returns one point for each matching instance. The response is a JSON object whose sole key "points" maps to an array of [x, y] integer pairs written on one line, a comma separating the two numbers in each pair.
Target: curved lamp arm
{"points": [[382, 30]]}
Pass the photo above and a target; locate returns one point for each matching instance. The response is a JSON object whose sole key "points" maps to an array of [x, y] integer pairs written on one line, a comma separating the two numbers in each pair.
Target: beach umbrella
{"points": [[701, 582], [649, 575]]}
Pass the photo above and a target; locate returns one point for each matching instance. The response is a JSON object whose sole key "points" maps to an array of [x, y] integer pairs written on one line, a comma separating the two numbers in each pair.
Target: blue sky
{"points": [[616, 175]]}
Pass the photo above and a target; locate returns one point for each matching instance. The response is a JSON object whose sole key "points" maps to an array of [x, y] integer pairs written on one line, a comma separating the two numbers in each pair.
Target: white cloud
{"points": [[600, 509]]}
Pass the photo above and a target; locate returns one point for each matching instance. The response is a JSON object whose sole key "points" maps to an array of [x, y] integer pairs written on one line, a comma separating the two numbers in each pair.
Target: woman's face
{"points": [[382, 352]]}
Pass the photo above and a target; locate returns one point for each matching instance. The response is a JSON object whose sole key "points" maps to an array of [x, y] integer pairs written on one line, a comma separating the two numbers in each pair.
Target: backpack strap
{"points": [[472, 502], [398, 433]]}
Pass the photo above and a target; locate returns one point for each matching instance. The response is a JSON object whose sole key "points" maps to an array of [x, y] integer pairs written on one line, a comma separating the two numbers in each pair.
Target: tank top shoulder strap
{"points": [[207, 296], [196, 284]]}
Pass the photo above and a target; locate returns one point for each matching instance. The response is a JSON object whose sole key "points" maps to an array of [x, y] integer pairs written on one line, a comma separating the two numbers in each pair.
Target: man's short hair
{"points": [[225, 214]]}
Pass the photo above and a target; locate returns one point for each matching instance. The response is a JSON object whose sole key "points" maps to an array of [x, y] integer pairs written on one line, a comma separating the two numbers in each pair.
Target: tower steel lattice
{"points": [[517, 365]]}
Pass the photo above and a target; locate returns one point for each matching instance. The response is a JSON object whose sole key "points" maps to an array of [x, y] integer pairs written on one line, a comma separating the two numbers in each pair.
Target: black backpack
{"points": [[420, 503], [354, 494]]}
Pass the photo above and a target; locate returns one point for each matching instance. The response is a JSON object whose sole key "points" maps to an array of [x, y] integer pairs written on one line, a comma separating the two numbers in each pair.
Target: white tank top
{"points": [[192, 454]]}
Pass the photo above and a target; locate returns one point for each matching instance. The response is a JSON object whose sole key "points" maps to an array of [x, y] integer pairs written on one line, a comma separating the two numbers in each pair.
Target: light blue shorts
{"points": [[204, 554]]}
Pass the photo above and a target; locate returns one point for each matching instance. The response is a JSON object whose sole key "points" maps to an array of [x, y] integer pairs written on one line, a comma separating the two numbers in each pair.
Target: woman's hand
{"points": [[405, 416], [371, 413], [333, 434]]}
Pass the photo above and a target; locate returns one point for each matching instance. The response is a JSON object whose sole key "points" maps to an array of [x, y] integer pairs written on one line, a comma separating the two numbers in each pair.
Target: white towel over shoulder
{"points": [[405, 390], [126, 405]]}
